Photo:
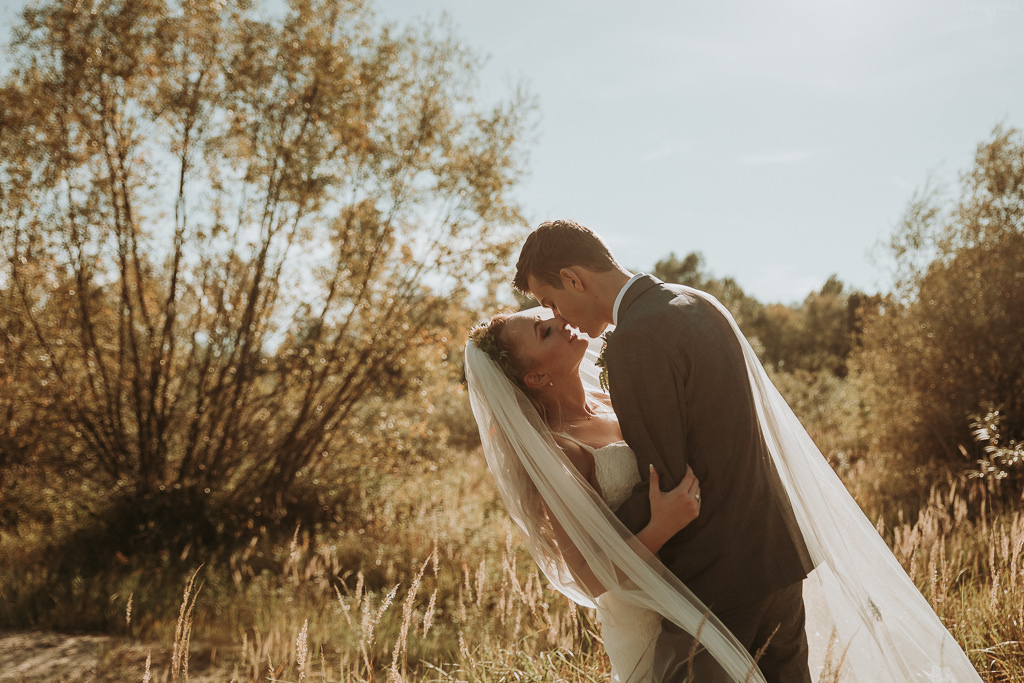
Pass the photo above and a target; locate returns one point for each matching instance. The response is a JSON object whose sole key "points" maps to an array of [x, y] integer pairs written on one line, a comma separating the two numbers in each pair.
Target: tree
{"points": [[819, 334], [946, 344], [222, 234]]}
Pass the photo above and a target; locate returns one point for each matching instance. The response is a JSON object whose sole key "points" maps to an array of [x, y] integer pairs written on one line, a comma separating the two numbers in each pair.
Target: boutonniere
{"points": [[602, 377]]}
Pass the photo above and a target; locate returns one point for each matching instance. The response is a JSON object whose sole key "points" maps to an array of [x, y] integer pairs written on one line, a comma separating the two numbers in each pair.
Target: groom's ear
{"points": [[571, 279], [535, 380]]}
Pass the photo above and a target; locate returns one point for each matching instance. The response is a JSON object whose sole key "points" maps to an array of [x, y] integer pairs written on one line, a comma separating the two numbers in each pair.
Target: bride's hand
{"points": [[673, 510]]}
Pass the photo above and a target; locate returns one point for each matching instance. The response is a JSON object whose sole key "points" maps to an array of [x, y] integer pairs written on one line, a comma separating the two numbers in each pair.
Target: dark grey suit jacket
{"points": [[679, 386]]}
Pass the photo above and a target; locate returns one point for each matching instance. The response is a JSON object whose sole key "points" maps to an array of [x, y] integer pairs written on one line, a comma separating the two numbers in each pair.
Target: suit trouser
{"points": [[777, 620]]}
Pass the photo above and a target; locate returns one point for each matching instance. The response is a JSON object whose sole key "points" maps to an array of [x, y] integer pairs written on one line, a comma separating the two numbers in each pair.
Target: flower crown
{"points": [[486, 339]]}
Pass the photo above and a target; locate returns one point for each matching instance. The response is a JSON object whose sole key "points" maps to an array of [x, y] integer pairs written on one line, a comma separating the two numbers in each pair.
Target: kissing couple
{"points": [[668, 485]]}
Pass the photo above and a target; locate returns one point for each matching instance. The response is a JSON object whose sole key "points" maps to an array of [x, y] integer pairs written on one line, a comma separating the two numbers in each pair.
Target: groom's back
{"points": [[694, 406]]}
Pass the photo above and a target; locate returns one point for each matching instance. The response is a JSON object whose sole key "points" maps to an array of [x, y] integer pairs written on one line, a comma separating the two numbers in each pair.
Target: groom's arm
{"points": [[648, 389]]}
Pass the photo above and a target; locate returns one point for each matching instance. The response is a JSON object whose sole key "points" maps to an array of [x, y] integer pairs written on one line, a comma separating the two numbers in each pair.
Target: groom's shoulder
{"points": [[676, 314], [666, 300], [658, 323]]}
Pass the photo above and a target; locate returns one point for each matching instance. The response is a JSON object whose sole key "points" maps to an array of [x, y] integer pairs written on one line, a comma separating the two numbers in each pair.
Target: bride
{"points": [[541, 355], [556, 454]]}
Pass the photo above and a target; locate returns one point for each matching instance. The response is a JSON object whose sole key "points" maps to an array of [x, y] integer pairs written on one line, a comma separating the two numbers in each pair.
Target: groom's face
{"points": [[571, 303]]}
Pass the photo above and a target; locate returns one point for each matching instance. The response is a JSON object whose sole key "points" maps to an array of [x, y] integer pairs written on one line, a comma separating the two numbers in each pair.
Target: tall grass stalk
{"points": [[183, 632]]}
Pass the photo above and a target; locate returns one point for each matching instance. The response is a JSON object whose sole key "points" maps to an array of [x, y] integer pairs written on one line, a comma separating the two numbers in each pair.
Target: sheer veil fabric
{"points": [[866, 622]]}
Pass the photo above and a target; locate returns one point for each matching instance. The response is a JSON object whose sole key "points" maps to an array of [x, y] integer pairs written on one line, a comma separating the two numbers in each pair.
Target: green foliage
{"points": [[948, 339], [227, 241], [819, 334]]}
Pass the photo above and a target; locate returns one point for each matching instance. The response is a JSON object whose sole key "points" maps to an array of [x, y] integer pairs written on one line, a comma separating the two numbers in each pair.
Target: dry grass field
{"points": [[435, 587]]}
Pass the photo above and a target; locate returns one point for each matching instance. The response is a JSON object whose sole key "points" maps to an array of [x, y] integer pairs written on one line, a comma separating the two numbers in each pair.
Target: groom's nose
{"points": [[564, 325]]}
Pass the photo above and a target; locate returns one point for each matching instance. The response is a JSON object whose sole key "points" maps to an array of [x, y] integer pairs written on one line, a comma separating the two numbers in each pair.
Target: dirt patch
{"points": [[38, 657]]}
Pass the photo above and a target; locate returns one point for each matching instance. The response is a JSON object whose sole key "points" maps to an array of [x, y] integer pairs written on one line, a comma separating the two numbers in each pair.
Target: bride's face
{"points": [[548, 343]]}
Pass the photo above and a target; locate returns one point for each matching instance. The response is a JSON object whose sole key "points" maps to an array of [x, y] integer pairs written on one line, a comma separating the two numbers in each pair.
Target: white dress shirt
{"points": [[622, 293]]}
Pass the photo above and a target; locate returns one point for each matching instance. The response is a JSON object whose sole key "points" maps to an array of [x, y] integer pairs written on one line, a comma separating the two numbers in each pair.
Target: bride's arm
{"points": [[671, 510]]}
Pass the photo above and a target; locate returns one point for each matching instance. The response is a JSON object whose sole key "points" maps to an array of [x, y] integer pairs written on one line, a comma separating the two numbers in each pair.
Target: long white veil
{"points": [[867, 622]]}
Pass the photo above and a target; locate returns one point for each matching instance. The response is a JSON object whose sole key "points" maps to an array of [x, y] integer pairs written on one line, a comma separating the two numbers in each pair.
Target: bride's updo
{"points": [[491, 337]]}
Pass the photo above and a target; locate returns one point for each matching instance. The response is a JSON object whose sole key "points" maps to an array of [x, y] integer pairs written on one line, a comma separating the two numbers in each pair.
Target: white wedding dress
{"points": [[628, 631]]}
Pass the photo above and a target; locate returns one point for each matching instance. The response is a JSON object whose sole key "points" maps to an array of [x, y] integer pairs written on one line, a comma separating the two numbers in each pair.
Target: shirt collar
{"points": [[622, 292]]}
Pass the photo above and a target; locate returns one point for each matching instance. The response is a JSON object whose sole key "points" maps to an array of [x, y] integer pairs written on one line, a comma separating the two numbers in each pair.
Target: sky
{"points": [[781, 139]]}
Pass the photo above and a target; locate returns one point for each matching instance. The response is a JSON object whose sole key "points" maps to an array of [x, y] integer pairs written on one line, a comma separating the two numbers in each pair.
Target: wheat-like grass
{"points": [[449, 594], [183, 632]]}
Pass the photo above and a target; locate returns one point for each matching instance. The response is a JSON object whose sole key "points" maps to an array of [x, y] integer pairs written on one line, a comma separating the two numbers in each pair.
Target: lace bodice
{"points": [[616, 472], [615, 469]]}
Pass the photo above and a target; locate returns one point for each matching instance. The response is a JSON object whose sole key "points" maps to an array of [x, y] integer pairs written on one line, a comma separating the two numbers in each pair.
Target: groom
{"points": [[679, 385]]}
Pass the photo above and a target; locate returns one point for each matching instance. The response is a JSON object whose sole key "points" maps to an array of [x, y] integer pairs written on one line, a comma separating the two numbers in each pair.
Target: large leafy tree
{"points": [[947, 343], [221, 234]]}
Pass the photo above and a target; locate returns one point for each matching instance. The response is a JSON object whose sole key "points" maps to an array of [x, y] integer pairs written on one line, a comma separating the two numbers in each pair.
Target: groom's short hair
{"points": [[560, 244]]}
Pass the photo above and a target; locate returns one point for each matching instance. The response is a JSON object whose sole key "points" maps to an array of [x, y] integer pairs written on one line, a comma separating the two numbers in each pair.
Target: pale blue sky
{"points": [[782, 138]]}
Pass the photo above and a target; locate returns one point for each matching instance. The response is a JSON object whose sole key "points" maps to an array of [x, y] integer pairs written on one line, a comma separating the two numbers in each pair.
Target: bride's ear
{"points": [[536, 380], [571, 278]]}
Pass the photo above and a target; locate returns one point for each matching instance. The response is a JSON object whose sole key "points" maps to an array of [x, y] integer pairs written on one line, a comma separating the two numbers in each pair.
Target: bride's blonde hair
{"points": [[491, 337]]}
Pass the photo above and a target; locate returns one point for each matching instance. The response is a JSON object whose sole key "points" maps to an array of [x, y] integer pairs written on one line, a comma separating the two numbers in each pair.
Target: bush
{"points": [[949, 338]]}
